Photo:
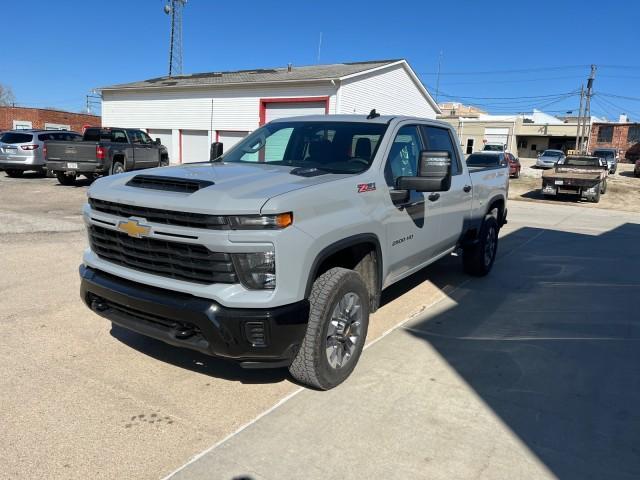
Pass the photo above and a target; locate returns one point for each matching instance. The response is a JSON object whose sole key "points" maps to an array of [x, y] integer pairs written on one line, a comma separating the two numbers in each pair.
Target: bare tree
{"points": [[6, 95]]}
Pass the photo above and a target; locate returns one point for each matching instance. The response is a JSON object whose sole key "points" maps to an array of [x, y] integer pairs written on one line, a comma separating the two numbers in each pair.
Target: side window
{"points": [[146, 139], [440, 139], [403, 157], [134, 135]]}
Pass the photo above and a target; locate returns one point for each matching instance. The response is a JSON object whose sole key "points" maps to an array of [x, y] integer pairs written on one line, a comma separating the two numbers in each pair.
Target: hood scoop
{"points": [[168, 184], [307, 172]]}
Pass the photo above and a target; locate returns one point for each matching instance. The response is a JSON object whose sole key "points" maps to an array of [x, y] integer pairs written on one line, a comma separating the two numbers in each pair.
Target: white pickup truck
{"points": [[276, 253]]}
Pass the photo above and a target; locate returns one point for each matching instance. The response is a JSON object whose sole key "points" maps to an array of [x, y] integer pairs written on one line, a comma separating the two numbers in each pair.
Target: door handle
{"points": [[467, 188], [434, 196]]}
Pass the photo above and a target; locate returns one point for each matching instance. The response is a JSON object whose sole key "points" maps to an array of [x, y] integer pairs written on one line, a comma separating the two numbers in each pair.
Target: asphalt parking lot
{"points": [[531, 372]]}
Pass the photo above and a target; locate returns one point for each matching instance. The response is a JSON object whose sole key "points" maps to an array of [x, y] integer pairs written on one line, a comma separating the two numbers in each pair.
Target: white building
{"points": [[189, 112]]}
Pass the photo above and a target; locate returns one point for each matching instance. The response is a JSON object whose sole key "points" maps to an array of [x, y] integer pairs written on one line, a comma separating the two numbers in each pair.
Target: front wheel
{"points": [[336, 332], [603, 187], [478, 259]]}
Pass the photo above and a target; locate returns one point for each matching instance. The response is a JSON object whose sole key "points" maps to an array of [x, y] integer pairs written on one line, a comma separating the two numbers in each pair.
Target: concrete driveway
{"points": [[530, 372]]}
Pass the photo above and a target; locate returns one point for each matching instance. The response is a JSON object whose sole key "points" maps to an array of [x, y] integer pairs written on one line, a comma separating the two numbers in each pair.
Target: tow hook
{"points": [[97, 305], [183, 332]]}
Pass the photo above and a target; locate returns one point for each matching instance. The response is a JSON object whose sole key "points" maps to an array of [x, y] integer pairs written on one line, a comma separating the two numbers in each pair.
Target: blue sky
{"points": [[61, 50]]}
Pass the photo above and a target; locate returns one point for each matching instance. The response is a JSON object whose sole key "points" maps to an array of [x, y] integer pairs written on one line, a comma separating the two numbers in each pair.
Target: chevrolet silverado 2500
{"points": [[275, 253]]}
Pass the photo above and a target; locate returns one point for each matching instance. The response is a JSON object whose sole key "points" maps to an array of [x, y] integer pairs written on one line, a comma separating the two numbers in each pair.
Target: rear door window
{"points": [[15, 138]]}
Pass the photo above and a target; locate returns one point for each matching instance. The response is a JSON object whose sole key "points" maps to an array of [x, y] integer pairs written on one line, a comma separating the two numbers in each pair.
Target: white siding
{"points": [[390, 91], [234, 108]]}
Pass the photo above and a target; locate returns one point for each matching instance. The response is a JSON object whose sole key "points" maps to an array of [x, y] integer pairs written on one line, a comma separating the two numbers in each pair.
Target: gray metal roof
{"points": [[262, 75]]}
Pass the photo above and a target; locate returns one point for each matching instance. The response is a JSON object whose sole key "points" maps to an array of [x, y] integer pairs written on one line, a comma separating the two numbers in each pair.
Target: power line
{"points": [[523, 70], [519, 80], [507, 98], [612, 95]]}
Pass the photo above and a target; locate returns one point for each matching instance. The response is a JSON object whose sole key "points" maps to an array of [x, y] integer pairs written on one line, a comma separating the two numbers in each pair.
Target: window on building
{"points": [[56, 126], [469, 149], [633, 136], [22, 125], [605, 134], [522, 144], [534, 147]]}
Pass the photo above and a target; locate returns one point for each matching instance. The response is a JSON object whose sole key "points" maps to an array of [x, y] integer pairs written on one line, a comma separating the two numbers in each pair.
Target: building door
{"points": [[281, 109], [230, 138], [470, 142], [166, 139], [195, 146], [497, 135]]}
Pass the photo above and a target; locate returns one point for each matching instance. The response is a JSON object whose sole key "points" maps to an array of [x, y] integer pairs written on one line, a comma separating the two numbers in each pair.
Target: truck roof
{"points": [[358, 118]]}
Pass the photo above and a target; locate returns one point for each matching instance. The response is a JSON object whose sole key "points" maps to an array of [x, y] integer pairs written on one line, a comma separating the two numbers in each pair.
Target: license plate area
{"points": [[72, 165]]}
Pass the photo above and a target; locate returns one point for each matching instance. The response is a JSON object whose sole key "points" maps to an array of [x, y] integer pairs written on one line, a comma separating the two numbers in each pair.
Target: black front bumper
{"points": [[255, 337]]}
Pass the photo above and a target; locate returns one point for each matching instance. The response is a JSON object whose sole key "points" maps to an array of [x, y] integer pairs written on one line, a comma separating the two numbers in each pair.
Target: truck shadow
{"points": [[196, 361], [550, 343]]}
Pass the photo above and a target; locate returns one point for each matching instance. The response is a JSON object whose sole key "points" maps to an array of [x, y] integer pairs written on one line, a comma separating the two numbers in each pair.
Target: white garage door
{"points": [[195, 146], [293, 109], [165, 139], [496, 135], [229, 139]]}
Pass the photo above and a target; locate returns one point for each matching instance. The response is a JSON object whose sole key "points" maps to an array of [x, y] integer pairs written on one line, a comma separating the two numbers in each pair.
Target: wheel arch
{"points": [[362, 253]]}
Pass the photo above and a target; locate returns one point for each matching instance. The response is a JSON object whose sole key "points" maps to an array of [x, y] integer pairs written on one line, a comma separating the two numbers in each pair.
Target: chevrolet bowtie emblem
{"points": [[133, 228]]}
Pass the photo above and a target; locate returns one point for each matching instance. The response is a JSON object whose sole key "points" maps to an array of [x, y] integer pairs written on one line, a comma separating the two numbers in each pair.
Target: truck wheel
{"points": [[164, 162], [64, 179], [478, 259], [596, 196], [603, 187], [337, 329], [14, 173], [116, 167]]}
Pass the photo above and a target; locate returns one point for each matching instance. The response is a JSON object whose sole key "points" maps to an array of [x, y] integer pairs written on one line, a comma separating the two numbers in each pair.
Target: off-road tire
{"points": [[473, 257], [311, 366], [116, 167], [14, 173], [66, 180]]}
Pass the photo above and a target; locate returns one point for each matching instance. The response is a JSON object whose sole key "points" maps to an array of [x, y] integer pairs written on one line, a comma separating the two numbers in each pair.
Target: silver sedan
{"points": [[549, 158]]}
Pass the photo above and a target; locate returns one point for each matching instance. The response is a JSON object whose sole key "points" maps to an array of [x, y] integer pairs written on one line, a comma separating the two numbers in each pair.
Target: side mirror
{"points": [[216, 151], [158, 142], [434, 173]]}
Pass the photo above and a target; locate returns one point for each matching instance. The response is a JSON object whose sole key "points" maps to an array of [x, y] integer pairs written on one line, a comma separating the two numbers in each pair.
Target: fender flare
{"points": [[329, 250]]}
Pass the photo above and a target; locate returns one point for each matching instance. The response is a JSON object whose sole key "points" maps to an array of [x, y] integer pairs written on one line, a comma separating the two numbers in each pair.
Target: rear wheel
{"points": [[117, 167], [478, 259], [336, 332], [65, 179], [164, 162], [14, 173], [596, 196], [603, 187]]}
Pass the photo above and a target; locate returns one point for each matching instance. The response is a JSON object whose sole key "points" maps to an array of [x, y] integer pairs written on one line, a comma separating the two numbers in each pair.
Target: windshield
{"points": [[336, 147], [493, 148], [603, 154], [552, 153], [480, 160]]}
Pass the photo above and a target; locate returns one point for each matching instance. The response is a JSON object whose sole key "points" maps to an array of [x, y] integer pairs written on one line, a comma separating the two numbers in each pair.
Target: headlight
{"points": [[257, 271], [258, 222]]}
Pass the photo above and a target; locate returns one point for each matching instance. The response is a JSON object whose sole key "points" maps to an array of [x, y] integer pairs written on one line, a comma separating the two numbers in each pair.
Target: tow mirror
{"points": [[216, 150], [434, 173], [158, 142]]}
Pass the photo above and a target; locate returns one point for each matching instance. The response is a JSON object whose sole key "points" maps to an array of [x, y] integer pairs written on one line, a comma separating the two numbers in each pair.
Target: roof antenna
{"points": [[373, 114]]}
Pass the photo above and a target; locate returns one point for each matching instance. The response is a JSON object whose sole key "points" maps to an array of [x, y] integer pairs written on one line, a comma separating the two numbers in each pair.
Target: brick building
{"points": [[615, 135], [42, 118]]}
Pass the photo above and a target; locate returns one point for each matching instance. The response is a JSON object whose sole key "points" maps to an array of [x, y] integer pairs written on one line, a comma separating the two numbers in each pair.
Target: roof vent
{"points": [[168, 184]]}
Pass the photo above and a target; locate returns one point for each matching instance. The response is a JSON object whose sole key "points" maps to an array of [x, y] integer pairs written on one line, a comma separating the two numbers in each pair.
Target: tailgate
{"points": [[71, 151]]}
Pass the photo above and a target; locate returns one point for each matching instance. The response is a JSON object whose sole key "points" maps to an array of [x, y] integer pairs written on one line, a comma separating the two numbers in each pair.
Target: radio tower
{"points": [[174, 8]]}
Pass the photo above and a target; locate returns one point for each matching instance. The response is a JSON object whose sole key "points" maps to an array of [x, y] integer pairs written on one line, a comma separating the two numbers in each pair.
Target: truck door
{"points": [[142, 149], [411, 233], [452, 207]]}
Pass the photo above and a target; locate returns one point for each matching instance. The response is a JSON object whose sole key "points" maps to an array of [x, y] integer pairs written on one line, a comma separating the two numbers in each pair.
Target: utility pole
{"points": [[579, 131], [587, 130], [438, 77]]}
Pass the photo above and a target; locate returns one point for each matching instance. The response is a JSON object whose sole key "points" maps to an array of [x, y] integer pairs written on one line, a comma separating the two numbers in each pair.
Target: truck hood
{"points": [[236, 188]]}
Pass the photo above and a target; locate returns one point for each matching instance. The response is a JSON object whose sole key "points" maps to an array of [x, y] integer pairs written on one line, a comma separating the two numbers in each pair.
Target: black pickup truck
{"points": [[104, 151]]}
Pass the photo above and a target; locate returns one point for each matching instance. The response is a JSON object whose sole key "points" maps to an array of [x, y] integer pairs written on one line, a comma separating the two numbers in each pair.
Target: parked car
{"points": [[610, 155], [633, 153], [486, 160], [23, 150], [549, 158], [514, 165], [494, 147], [580, 175], [104, 151], [279, 262]]}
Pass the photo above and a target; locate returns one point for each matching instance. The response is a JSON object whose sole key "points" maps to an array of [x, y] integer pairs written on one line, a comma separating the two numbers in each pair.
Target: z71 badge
{"points": [[366, 187]]}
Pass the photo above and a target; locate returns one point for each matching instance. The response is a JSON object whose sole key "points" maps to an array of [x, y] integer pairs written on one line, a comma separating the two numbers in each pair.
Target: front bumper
{"points": [[82, 167], [255, 337]]}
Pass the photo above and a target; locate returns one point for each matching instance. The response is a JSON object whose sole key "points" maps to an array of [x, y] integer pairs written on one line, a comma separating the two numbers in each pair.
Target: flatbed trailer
{"points": [[583, 176]]}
